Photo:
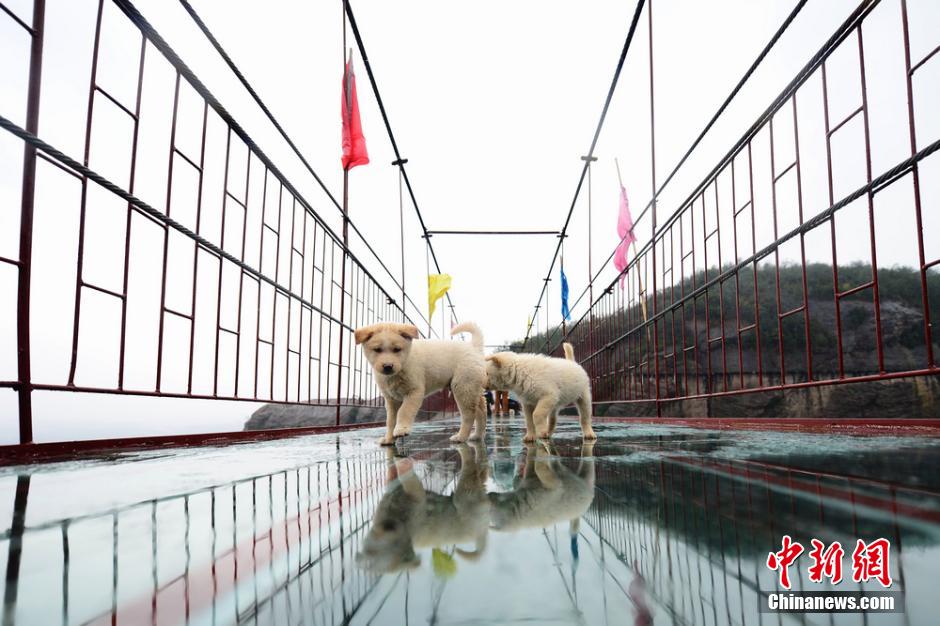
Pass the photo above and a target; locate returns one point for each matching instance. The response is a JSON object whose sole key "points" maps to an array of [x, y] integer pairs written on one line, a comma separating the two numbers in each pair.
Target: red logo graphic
{"points": [[826, 562], [871, 561], [782, 560]]}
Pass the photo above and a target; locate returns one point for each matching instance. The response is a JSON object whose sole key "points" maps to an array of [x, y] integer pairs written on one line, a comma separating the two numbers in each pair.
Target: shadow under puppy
{"points": [[544, 386], [549, 492], [407, 370], [409, 517]]}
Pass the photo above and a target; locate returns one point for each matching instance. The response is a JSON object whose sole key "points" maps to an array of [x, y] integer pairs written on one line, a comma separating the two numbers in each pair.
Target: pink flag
{"points": [[625, 232]]}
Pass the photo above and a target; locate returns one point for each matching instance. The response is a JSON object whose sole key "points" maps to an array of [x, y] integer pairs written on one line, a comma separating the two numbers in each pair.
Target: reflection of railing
{"points": [[698, 532], [228, 283], [266, 548], [719, 303]]}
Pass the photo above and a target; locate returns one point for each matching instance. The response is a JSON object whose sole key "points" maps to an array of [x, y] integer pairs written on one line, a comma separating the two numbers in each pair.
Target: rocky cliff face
{"points": [[917, 397], [351, 412], [303, 415]]}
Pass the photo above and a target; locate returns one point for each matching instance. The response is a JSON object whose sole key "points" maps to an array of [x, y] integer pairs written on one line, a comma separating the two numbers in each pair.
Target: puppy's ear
{"points": [[363, 334], [408, 331], [495, 359]]}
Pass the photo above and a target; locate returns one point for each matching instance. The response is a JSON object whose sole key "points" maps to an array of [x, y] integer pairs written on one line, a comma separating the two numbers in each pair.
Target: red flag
{"points": [[354, 144]]}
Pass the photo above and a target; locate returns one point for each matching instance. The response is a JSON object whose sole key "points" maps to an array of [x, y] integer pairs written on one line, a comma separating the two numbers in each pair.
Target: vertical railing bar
{"points": [[760, 355], [737, 275], [799, 200], [915, 173], [709, 372], [84, 195], [649, 9], [218, 298], [264, 214], [192, 304], [27, 205], [876, 296], [129, 214], [277, 274], [300, 321], [241, 277], [832, 224], [721, 292], [313, 276], [290, 304], [166, 233], [776, 221]]}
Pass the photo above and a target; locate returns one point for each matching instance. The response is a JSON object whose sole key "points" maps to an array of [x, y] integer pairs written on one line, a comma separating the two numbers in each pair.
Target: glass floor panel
{"points": [[650, 524]]}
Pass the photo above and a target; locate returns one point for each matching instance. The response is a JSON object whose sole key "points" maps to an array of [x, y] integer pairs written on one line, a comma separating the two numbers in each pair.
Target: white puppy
{"points": [[544, 385], [407, 370]]}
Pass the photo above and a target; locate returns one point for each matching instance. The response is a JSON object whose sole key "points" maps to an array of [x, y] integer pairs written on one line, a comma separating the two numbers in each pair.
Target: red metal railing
{"points": [[240, 288], [745, 287]]}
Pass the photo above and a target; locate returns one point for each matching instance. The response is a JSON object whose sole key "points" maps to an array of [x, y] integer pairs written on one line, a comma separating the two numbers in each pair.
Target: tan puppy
{"points": [[544, 385], [407, 370], [409, 517]]}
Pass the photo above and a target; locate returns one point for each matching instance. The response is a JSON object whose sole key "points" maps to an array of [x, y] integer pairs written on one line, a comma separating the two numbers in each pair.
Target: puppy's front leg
{"points": [[407, 411], [391, 415], [527, 410], [540, 416]]}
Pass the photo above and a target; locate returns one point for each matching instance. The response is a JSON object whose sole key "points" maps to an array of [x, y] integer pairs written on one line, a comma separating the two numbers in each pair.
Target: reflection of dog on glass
{"points": [[409, 517], [549, 492]]}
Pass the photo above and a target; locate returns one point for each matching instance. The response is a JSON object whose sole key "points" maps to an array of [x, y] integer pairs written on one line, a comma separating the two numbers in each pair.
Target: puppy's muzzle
{"points": [[387, 369]]}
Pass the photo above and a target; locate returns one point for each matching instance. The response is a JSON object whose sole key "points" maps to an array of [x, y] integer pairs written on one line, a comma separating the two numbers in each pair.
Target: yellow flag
{"points": [[438, 284]]}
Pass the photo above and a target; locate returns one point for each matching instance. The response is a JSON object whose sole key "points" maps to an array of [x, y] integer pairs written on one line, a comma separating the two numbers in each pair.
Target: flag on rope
{"points": [[354, 144], [565, 312], [438, 284], [624, 232]]}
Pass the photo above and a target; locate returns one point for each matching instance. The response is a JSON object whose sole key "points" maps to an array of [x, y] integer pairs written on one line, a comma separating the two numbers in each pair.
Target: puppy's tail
{"points": [[476, 335], [569, 351]]}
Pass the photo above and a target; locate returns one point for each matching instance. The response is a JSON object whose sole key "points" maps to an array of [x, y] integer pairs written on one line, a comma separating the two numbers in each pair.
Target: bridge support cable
{"points": [[718, 113], [214, 42], [391, 136], [597, 133]]}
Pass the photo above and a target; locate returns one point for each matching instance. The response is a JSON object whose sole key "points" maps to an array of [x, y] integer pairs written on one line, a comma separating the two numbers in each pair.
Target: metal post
{"points": [[342, 294], [26, 228], [653, 212], [590, 160], [401, 223], [342, 279]]}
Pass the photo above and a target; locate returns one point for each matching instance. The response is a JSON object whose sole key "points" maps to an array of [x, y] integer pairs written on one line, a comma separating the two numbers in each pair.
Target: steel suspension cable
{"points": [[865, 7], [391, 136], [597, 132], [844, 29], [280, 129], [718, 113]]}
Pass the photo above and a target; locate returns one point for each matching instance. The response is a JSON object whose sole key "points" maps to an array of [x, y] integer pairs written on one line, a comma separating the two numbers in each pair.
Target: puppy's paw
{"points": [[529, 438], [545, 434], [401, 432], [475, 437], [387, 441], [590, 435], [458, 438]]}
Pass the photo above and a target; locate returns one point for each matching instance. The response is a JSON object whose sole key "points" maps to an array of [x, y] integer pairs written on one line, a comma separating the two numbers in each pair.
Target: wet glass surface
{"points": [[651, 524]]}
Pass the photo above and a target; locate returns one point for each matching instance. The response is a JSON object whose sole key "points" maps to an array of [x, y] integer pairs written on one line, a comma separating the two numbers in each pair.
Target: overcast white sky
{"points": [[492, 102]]}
